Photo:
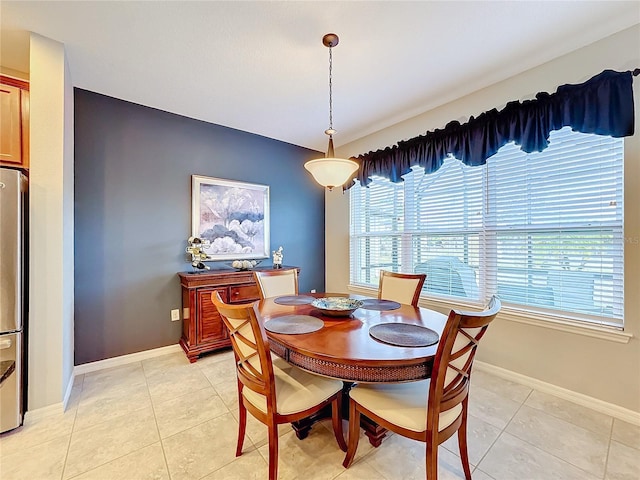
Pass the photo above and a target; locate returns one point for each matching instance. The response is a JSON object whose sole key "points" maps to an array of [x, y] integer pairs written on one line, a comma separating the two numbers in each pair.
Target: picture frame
{"points": [[232, 218]]}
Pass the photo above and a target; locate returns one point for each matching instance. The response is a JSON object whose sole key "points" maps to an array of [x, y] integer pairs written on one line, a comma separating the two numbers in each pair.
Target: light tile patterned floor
{"points": [[165, 418]]}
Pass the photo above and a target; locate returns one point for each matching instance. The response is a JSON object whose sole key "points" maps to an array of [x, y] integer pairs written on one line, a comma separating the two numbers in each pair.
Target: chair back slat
{"points": [[401, 287], [250, 346], [243, 338], [454, 359], [275, 283]]}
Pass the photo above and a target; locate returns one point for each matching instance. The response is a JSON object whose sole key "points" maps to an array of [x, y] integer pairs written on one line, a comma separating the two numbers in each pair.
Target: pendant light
{"points": [[331, 171]]}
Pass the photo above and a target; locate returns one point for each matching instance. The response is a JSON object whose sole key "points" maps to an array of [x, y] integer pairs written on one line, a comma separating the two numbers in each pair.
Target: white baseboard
{"points": [[59, 408], [124, 359], [54, 409], [67, 393], [601, 406], [38, 413]]}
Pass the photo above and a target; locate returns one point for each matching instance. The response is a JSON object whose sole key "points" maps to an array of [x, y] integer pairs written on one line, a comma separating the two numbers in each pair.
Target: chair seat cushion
{"points": [[403, 404], [296, 390]]}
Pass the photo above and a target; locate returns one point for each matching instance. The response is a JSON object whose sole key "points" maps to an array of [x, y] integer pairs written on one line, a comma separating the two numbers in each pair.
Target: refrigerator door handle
{"points": [[5, 343]]}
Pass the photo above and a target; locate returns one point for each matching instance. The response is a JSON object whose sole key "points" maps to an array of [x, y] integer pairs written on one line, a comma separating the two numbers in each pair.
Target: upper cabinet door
{"points": [[14, 122], [10, 125]]}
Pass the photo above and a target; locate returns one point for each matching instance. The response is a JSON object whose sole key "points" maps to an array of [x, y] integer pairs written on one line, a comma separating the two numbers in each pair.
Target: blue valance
{"points": [[602, 105]]}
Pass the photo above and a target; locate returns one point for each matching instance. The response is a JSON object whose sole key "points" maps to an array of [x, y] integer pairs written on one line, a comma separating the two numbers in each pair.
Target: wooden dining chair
{"points": [[428, 410], [401, 287], [273, 283], [274, 392]]}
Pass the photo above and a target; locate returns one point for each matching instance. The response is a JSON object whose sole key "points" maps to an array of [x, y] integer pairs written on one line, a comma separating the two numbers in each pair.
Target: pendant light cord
{"points": [[330, 88], [331, 171]]}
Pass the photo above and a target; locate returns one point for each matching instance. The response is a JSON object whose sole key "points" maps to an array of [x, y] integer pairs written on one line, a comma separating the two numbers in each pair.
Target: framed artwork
{"points": [[232, 216]]}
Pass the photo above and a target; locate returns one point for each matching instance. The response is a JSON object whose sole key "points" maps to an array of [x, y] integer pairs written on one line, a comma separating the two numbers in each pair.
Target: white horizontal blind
{"points": [[377, 222], [555, 218], [446, 225], [542, 230]]}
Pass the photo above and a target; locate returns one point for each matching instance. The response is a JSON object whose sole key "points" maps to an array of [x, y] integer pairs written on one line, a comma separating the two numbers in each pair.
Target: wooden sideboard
{"points": [[202, 328]]}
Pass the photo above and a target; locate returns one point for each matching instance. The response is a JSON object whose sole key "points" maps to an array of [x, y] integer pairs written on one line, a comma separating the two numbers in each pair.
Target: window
{"points": [[541, 230]]}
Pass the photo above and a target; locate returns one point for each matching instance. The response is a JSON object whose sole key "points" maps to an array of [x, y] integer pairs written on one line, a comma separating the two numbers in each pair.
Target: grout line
{"points": [[364, 459], [228, 412], [110, 461], [503, 430], [66, 455], [552, 413], [155, 419], [99, 423], [73, 427], [485, 473], [488, 449], [606, 459], [538, 446], [522, 404]]}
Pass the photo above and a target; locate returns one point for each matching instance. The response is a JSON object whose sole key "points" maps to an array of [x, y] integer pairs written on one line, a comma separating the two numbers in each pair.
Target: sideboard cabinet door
{"points": [[202, 327], [210, 327]]}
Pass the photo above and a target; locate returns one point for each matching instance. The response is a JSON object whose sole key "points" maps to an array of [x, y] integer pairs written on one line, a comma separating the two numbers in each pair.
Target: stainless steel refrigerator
{"points": [[13, 194]]}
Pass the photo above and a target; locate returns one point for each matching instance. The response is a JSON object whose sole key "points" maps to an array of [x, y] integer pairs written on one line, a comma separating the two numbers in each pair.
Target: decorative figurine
{"points": [[277, 258], [196, 250]]}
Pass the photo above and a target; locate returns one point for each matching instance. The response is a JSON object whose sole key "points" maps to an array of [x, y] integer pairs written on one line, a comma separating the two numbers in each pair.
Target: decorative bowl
{"points": [[337, 306], [241, 265]]}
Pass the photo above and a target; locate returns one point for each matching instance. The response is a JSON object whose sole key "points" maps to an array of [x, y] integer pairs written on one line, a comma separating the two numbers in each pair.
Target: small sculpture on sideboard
{"points": [[277, 258], [196, 250]]}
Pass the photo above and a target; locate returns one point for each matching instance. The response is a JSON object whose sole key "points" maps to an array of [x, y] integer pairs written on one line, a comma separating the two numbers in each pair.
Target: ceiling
{"points": [[261, 66]]}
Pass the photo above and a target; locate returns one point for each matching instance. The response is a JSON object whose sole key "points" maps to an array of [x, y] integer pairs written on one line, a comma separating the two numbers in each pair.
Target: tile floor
{"points": [[164, 418]]}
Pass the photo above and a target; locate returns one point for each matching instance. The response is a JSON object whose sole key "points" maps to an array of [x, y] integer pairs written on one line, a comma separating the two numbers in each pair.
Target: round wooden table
{"points": [[344, 349]]}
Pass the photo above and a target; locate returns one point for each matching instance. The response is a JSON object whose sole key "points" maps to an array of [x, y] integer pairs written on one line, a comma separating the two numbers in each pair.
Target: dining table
{"points": [[344, 347]]}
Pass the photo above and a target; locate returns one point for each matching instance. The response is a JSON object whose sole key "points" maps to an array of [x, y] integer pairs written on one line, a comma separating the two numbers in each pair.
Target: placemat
{"points": [[404, 334], [294, 300], [294, 324], [375, 304]]}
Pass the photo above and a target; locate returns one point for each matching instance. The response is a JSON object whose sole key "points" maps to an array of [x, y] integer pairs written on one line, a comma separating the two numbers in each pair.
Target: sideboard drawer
{"points": [[244, 293]]}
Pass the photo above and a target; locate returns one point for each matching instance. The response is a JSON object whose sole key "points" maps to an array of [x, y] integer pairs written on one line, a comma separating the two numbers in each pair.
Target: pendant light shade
{"points": [[331, 171]]}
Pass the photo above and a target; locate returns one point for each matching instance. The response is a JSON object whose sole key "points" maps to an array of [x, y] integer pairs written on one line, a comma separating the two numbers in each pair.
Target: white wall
{"points": [[50, 340], [595, 367], [67, 226]]}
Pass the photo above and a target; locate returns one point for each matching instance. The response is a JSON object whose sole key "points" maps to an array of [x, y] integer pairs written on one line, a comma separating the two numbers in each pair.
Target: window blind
{"points": [[555, 223], [542, 230], [377, 222], [446, 227]]}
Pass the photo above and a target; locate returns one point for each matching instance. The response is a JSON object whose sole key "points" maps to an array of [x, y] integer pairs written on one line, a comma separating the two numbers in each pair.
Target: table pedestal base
{"points": [[302, 427], [373, 431]]}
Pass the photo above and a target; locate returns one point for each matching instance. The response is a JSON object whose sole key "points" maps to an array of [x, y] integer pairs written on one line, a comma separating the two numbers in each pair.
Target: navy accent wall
{"points": [[133, 168]]}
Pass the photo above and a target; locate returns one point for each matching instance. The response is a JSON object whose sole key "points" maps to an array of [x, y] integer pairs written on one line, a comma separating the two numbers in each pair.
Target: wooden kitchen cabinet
{"points": [[202, 327], [14, 122]]}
